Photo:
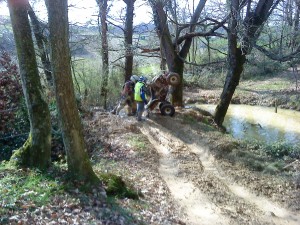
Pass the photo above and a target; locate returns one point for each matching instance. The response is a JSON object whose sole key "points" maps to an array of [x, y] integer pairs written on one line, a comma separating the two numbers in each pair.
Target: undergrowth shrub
{"points": [[276, 150], [280, 149], [258, 65], [88, 82], [25, 187], [14, 124], [10, 92], [206, 77]]}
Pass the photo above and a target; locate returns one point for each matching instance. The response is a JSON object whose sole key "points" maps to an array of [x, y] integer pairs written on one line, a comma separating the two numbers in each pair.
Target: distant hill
{"points": [[84, 40]]}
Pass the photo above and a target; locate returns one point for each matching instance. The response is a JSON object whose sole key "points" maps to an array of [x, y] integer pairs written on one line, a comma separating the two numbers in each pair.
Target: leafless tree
{"points": [[284, 44], [128, 34], [42, 44], [176, 49], [243, 32], [102, 4]]}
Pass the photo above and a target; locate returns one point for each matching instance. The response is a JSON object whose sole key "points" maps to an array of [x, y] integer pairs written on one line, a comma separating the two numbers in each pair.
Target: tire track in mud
{"points": [[194, 205], [203, 191]]}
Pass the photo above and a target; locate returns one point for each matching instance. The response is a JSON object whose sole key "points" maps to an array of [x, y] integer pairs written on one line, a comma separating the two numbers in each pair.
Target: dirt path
{"points": [[204, 193], [192, 202]]}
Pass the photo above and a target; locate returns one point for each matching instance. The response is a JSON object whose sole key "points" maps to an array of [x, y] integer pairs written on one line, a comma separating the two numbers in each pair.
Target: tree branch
{"points": [[115, 25], [203, 34], [201, 65], [278, 57]]}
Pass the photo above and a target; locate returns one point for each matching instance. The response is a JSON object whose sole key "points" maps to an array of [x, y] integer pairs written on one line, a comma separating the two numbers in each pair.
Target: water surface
{"points": [[261, 123]]}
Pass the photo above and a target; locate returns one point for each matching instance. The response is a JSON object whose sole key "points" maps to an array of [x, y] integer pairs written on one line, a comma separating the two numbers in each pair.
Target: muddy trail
{"points": [[205, 189]]}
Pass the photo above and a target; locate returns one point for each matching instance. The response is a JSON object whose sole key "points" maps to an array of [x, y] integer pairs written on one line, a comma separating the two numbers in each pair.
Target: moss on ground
{"points": [[115, 186]]}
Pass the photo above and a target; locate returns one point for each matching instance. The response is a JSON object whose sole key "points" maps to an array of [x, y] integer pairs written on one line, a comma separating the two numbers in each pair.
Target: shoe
{"points": [[113, 112]]}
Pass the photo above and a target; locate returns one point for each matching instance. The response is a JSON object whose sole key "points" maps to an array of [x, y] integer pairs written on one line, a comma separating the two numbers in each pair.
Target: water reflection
{"points": [[261, 123]]}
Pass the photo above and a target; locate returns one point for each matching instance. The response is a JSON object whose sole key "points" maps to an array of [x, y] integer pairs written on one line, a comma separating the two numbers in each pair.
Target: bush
{"points": [[281, 149], [259, 65], [14, 124], [10, 92], [88, 83], [207, 77]]}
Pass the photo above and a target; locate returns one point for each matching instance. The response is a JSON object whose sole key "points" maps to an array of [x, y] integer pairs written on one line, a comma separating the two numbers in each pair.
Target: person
{"points": [[127, 97], [140, 96]]}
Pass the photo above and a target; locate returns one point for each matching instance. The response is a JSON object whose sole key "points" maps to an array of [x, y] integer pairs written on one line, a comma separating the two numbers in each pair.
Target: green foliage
{"points": [[15, 137], [189, 119], [274, 167], [248, 158], [18, 188], [115, 186], [280, 149], [265, 157], [137, 142], [148, 69], [88, 82], [259, 65], [294, 102], [57, 145], [14, 123], [115, 84], [206, 78]]}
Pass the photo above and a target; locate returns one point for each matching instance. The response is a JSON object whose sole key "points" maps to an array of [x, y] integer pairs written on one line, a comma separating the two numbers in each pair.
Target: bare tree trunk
{"points": [[36, 150], [163, 62], [128, 33], [236, 62], [42, 43], [79, 165], [174, 57], [208, 49], [102, 4], [253, 23], [296, 74]]}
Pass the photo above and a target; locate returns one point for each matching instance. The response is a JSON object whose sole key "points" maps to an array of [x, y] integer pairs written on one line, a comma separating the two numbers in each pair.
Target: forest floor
{"points": [[184, 169], [190, 173]]}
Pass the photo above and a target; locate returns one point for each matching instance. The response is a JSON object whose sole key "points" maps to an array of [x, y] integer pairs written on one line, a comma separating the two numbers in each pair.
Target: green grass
{"points": [[282, 149], [247, 158], [137, 142], [266, 158], [267, 85], [25, 188], [150, 69]]}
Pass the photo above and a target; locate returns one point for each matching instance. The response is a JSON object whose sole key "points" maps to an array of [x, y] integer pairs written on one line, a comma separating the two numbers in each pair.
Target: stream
{"points": [[261, 123]]}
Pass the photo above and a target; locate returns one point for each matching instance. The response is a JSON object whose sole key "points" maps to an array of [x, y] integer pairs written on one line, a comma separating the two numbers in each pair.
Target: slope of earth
{"points": [[185, 172], [190, 173], [263, 92]]}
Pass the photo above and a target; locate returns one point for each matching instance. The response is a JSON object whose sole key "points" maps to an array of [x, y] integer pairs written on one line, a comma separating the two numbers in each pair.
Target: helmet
{"points": [[134, 78], [143, 79]]}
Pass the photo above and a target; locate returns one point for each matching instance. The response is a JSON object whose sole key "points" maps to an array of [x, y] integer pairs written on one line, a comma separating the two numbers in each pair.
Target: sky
{"points": [[81, 11]]}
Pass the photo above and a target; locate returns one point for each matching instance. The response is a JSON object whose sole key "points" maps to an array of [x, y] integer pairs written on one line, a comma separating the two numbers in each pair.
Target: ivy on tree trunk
{"points": [[36, 150]]}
